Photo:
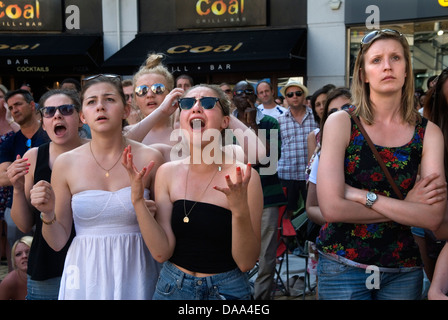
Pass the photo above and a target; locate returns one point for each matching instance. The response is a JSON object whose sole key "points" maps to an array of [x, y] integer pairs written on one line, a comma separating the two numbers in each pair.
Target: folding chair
{"points": [[292, 237]]}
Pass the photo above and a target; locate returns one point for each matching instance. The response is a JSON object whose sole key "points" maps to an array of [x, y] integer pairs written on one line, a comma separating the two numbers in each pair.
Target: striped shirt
{"points": [[294, 152]]}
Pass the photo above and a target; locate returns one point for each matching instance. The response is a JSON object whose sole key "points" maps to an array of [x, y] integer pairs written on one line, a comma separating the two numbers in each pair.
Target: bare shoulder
{"points": [[148, 153]]}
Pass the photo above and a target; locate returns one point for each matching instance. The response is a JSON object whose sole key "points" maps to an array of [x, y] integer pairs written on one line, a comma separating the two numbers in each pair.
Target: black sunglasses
{"points": [[205, 102], [297, 93], [246, 91], [65, 110], [344, 107], [376, 33], [105, 75], [157, 88]]}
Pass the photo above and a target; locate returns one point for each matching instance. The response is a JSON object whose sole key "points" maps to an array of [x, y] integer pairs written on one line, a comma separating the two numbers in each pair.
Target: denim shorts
{"points": [[338, 281], [173, 284], [43, 290]]}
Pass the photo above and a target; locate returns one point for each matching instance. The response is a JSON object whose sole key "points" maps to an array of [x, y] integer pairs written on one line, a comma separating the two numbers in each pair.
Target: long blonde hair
{"points": [[361, 90]]}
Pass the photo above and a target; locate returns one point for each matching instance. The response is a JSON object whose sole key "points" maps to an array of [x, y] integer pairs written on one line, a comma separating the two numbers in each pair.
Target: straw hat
{"points": [[293, 83]]}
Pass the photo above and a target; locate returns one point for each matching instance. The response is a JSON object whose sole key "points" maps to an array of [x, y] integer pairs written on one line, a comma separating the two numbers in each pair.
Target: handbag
{"points": [[378, 157]]}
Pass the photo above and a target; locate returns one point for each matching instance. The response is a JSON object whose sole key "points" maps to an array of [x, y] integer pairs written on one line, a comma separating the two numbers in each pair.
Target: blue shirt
{"points": [[17, 145]]}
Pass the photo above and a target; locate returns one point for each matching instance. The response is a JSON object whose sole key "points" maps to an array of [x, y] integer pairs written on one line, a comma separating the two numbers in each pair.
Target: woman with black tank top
{"points": [[60, 119], [207, 226]]}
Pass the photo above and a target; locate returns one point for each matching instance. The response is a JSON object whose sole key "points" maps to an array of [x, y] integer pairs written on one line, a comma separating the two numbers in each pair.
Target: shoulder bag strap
{"points": [[378, 157]]}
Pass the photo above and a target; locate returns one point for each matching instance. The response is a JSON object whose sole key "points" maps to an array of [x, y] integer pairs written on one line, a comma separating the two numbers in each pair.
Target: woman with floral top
{"points": [[367, 250]]}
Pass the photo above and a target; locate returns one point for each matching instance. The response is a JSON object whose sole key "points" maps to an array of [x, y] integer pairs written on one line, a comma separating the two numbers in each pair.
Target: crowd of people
{"points": [[131, 189]]}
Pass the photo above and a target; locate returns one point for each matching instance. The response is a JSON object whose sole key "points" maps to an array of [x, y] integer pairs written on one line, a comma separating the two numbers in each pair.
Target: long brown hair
{"points": [[436, 110]]}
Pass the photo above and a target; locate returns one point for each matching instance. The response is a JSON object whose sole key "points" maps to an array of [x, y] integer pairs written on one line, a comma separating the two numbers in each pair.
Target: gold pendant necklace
{"points": [[186, 218], [107, 170]]}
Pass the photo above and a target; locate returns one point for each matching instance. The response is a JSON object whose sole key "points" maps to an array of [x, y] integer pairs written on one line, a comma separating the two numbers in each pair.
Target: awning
{"points": [[50, 53], [218, 51]]}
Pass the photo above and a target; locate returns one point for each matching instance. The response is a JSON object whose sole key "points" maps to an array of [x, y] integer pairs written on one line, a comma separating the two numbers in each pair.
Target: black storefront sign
{"points": [[51, 53], [216, 52], [31, 15], [192, 14]]}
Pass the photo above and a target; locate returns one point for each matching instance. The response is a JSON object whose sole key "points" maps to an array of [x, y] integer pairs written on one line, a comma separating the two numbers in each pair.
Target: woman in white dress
{"points": [[108, 258]]}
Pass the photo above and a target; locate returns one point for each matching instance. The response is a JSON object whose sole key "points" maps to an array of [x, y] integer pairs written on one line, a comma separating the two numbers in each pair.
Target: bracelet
{"points": [[48, 222]]}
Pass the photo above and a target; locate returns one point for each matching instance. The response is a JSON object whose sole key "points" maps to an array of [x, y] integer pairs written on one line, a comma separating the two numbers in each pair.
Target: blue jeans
{"points": [[173, 284], [43, 290], [338, 281]]}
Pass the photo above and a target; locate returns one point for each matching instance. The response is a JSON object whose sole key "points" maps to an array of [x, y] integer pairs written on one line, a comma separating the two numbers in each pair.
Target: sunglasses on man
{"points": [[297, 93]]}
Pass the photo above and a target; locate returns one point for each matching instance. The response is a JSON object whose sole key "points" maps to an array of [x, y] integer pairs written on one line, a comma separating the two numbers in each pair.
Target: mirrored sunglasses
{"points": [[65, 110], [297, 93], [376, 33], [157, 88], [205, 102]]}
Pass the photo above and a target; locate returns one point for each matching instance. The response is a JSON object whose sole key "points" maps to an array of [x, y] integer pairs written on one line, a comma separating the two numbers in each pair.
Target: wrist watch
{"points": [[370, 199]]}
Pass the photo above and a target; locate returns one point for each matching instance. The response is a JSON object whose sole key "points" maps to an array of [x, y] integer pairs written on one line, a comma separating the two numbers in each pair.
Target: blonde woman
{"points": [[13, 286]]}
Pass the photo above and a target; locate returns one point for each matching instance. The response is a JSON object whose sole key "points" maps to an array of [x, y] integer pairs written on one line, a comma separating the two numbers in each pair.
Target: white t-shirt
{"points": [[275, 112], [314, 165]]}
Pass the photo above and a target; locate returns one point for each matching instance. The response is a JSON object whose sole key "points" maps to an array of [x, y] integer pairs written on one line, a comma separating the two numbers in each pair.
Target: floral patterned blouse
{"points": [[387, 244]]}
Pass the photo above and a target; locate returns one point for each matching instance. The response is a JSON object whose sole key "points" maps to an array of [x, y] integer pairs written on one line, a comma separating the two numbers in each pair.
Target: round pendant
{"points": [[107, 174], [186, 220]]}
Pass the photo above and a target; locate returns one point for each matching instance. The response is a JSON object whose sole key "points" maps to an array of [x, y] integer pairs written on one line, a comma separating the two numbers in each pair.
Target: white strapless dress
{"points": [[108, 258]]}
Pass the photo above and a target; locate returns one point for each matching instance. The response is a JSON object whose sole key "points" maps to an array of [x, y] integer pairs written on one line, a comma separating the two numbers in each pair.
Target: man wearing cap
{"points": [[295, 125]]}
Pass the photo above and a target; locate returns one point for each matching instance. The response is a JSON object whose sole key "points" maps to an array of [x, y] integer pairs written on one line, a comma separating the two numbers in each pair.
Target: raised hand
{"points": [[136, 177], [16, 172], [236, 193]]}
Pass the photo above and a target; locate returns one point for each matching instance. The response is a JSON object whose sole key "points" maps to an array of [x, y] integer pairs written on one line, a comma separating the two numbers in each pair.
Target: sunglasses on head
{"points": [[157, 88], [65, 110], [344, 107], [376, 33], [297, 93], [109, 76], [205, 102], [245, 91]]}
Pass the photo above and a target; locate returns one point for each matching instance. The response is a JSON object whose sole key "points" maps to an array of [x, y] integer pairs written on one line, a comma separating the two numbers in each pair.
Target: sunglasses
{"points": [[109, 76], [344, 107], [376, 33], [245, 91], [206, 102], [65, 110], [157, 88], [297, 93]]}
